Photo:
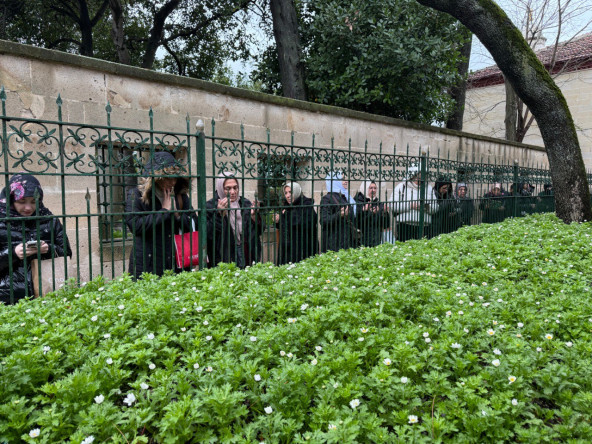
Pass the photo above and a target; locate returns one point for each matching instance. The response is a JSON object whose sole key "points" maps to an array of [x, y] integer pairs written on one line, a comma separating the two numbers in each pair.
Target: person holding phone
{"points": [[34, 234], [153, 215]]}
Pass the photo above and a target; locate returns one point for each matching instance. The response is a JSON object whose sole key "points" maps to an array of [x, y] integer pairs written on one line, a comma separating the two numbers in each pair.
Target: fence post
{"points": [[515, 188], [201, 192], [422, 190]]}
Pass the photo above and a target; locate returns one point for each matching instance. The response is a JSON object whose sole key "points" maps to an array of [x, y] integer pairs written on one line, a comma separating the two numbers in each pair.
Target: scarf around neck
{"points": [[236, 217]]}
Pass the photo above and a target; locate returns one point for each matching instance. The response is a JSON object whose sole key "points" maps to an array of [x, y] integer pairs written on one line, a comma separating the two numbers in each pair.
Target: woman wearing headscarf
{"points": [[373, 217], [154, 216], [17, 201], [446, 219], [234, 225], [338, 212], [407, 206], [495, 205], [464, 203], [297, 223]]}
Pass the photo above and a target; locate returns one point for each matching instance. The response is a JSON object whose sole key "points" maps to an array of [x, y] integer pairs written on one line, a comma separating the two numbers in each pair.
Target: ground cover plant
{"points": [[479, 336]]}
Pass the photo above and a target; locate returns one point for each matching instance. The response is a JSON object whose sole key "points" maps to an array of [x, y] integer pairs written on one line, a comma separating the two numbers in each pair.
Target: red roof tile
{"points": [[570, 56]]}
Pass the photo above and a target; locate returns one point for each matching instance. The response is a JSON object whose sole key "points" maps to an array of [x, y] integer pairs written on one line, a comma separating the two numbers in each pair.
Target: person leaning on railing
{"points": [[297, 223], [406, 201], [49, 235], [234, 225], [373, 217], [154, 227], [338, 212], [496, 205], [464, 204]]}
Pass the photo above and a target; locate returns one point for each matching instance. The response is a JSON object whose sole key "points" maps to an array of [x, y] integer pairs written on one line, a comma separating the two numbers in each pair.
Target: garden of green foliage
{"points": [[483, 335]]}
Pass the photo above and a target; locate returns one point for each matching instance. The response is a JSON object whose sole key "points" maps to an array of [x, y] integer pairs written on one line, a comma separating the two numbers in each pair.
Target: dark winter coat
{"points": [[495, 208], [222, 246], [546, 201], [466, 208], [50, 231], [154, 228], [336, 231], [371, 223], [298, 231]]}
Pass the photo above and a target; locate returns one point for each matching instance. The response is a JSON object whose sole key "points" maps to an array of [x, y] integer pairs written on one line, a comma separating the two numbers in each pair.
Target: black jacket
{"points": [[298, 231], [336, 231], [495, 208], [222, 245], [371, 222], [154, 229], [50, 231]]}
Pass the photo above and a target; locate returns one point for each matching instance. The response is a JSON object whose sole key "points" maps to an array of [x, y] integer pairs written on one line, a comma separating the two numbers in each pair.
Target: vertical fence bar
{"points": [[200, 160], [422, 192]]}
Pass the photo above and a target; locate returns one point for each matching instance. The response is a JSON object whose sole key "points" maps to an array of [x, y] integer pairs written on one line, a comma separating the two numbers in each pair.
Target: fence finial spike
{"points": [[200, 125], [2, 94], [87, 196], [108, 107]]}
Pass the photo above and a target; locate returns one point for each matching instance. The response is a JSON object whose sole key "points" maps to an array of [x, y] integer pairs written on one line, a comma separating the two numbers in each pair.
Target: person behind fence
{"points": [[495, 205], [447, 218], [464, 204], [373, 216], [338, 212], [234, 225], [154, 225], [297, 223], [546, 199], [27, 237], [407, 207]]}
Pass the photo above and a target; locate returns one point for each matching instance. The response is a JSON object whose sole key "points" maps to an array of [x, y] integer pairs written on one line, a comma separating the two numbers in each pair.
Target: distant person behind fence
{"points": [[234, 225], [496, 205], [297, 223], [407, 207], [546, 199], [373, 217], [50, 236], [338, 210], [447, 218], [154, 227], [464, 203]]}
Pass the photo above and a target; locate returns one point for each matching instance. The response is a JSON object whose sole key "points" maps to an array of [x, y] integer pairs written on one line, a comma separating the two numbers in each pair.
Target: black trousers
{"points": [[407, 232]]}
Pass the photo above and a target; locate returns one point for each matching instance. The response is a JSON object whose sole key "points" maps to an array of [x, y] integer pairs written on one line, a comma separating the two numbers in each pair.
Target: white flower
{"points": [[206, 323], [291, 320], [361, 339], [41, 321], [514, 401], [290, 355], [548, 336], [461, 312], [331, 427], [483, 412], [34, 433], [426, 334], [253, 338], [94, 318], [268, 410], [88, 440], [490, 332], [303, 307], [107, 335], [387, 361], [318, 348], [282, 353], [196, 366], [428, 340], [183, 329], [200, 308], [520, 325], [364, 330], [569, 343], [404, 379], [109, 361], [354, 403], [257, 378], [436, 320], [412, 419], [456, 345], [208, 338], [314, 362], [152, 366], [496, 362], [99, 399], [144, 386], [511, 379], [496, 351], [539, 349], [129, 399], [46, 349], [448, 313], [150, 336], [209, 369]]}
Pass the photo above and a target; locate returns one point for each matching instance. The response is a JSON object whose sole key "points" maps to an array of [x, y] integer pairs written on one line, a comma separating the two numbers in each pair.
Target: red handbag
{"points": [[187, 248]]}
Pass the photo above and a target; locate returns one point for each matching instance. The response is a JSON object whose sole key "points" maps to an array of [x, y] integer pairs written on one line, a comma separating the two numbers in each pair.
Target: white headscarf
{"points": [[334, 185], [296, 190]]}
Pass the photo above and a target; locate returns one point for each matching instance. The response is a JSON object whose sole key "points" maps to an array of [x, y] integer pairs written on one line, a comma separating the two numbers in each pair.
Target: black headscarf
{"points": [[442, 181]]}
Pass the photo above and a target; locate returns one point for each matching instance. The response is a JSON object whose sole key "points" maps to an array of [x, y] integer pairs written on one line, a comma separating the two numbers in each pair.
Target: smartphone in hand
{"points": [[31, 244]]}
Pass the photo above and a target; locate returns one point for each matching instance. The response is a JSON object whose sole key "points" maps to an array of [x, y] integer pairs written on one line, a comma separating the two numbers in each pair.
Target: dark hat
{"points": [[160, 161]]}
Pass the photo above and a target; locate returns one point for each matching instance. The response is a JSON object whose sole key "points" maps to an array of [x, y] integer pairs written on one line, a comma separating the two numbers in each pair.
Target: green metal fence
{"points": [[91, 174]]}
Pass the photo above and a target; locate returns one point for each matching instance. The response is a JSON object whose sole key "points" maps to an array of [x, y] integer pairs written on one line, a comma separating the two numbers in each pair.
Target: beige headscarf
{"points": [[236, 217], [296, 190], [365, 186]]}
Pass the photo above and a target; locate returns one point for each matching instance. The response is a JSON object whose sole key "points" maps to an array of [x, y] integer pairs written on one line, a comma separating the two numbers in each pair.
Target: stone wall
{"points": [[33, 79]]}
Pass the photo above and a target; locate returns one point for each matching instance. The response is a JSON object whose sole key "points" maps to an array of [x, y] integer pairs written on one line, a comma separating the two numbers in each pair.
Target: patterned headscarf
{"points": [[23, 185], [236, 217]]}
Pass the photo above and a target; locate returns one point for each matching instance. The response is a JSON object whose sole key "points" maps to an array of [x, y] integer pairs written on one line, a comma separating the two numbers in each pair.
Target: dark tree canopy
{"points": [[533, 84]]}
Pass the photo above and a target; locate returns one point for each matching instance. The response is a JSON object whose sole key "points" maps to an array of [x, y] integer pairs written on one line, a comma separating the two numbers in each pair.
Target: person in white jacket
{"points": [[406, 204]]}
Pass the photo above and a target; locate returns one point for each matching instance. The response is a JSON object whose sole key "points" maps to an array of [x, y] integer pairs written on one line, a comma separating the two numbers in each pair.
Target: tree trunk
{"points": [[118, 33], [511, 115], [287, 39], [536, 88], [84, 22], [458, 92], [155, 37]]}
